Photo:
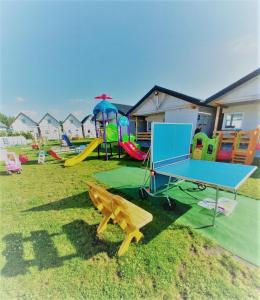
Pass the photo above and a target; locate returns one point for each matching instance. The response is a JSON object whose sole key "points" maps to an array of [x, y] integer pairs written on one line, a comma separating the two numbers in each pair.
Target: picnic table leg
{"points": [[216, 207], [129, 236], [102, 226]]}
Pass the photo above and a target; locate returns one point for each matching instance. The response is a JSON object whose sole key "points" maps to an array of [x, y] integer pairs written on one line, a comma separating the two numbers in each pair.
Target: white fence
{"points": [[6, 141]]}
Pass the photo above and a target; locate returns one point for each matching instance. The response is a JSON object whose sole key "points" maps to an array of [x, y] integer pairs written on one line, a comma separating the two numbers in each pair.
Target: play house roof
{"points": [[104, 107]]}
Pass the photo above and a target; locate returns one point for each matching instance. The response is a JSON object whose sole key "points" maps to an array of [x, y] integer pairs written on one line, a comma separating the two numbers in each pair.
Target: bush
{"points": [[27, 135]]}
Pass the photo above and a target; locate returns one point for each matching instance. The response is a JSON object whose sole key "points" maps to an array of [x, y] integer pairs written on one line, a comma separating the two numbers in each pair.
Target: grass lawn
{"points": [[49, 248]]}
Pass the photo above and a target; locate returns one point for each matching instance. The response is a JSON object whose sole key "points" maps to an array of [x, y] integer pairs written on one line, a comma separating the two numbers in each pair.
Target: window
{"points": [[233, 120], [49, 121], [71, 121], [23, 120]]}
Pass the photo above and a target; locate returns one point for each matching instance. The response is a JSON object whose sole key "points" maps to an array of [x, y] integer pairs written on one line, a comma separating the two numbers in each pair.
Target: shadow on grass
{"points": [[4, 173], [162, 218], [81, 235], [77, 201]]}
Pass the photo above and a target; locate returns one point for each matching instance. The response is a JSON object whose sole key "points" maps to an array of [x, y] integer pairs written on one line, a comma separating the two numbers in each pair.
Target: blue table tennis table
{"points": [[170, 161]]}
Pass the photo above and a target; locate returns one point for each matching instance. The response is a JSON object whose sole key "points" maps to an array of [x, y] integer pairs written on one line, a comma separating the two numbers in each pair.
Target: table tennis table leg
{"points": [[216, 207], [167, 192]]}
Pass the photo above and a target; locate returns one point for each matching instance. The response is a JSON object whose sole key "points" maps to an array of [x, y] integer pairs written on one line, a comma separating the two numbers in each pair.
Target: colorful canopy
{"points": [[104, 107], [123, 121]]}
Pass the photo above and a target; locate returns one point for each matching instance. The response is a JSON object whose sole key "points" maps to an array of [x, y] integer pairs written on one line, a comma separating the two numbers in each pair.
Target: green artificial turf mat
{"points": [[238, 233]]}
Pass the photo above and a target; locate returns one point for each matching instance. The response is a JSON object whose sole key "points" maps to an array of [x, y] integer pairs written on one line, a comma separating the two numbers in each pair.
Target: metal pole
{"points": [[128, 128], [216, 207], [105, 138], [118, 139], [95, 119]]}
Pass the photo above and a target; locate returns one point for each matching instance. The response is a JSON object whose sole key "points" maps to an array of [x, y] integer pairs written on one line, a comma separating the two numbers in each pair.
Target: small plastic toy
{"points": [[41, 157], [54, 154], [204, 147], [23, 158], [12, 163]]}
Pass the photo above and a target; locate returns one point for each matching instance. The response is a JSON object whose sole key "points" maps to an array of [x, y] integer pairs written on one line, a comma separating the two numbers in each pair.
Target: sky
{"points": [[56, 56]]}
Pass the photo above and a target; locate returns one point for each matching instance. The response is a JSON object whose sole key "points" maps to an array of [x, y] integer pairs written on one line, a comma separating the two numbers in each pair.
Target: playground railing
{"points": [[144, 136]]}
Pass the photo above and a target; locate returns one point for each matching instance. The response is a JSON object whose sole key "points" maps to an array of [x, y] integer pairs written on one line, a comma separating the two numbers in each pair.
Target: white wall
{"points": [[251, 114], [89, 129], [22, 123], [159, 103], [72, 127], [246, 92], [182, 116], [50, 128]]}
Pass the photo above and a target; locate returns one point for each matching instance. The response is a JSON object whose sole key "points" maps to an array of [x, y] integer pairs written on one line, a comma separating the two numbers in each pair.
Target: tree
{"points": [[7, 120]]}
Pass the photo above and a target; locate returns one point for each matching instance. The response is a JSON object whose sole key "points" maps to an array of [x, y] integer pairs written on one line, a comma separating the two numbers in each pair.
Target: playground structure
{"points": [[245, 145], [109, 130], [237, 146], [204, 148], [127, 215]]}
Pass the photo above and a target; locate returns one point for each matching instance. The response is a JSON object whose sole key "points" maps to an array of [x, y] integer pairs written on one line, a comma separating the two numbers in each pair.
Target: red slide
{"points": [[133, 151], [54, 154]]}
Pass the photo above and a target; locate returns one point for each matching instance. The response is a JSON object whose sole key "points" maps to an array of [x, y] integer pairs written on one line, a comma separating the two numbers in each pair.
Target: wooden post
{"points": [[136, 126], [216, 120]]}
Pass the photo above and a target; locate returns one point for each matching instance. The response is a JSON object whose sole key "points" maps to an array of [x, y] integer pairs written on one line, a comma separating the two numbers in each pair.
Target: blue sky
{"points": [[56, 56]]}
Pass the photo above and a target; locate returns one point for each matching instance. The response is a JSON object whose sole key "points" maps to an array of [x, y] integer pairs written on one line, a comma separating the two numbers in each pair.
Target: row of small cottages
{"points": [[233, 108], [52, 129]]}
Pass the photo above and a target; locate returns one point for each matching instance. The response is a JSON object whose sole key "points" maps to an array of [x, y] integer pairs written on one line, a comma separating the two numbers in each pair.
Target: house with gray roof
{"points": [[165, 105], [238, 105], [88, 126], [24, 123], [72, 127], [50, 127]]}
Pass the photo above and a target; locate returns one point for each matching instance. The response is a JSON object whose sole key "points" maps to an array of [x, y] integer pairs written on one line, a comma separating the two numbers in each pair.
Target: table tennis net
{"points": [[170, 161]]}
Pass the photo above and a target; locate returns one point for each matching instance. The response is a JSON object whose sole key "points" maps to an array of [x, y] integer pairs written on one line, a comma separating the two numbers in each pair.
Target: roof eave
{"points": [[233, 86]]}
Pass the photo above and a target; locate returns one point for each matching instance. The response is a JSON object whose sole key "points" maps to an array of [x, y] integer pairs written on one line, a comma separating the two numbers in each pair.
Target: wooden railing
{"points": [[143, 136]]}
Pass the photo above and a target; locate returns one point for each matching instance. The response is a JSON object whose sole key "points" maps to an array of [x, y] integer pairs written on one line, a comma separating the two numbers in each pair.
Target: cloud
{"points": [[20, 99], [30, 113], [246, 44]]}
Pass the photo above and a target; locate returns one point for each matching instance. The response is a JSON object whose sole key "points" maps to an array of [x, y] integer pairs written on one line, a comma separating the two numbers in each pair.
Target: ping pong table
{"points": [[170, 159]]}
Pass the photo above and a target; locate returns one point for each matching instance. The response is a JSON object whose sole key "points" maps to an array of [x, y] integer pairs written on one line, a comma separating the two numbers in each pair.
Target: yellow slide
{"points": [[84, 154]]}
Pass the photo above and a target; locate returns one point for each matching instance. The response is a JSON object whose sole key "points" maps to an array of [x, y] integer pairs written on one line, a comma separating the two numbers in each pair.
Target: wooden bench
{"points": [[122, 212]]}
